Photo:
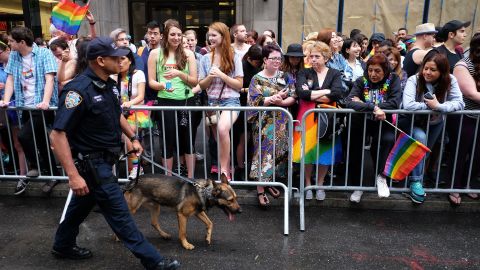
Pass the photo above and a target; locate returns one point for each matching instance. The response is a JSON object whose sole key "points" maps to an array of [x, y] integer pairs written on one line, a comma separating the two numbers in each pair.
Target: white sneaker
{"points": [[382, 187], [356, 196], [320, 196], [133, 172], [309, 195]]}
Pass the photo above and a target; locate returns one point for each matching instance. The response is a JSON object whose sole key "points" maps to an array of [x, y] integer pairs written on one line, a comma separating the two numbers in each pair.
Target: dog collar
{"points": [[205, 195]]}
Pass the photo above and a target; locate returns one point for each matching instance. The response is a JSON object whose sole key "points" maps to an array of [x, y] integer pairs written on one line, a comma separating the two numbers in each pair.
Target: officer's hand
{"points": [[78, 185], [138, 147], [42, 105]]}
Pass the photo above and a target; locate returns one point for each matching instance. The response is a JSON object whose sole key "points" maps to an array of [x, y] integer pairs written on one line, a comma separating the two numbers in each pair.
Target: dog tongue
{"points": [[231, 217]]}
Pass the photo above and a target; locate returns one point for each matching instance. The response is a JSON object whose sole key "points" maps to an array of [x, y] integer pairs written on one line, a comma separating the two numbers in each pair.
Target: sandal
{"points": [[473, 196], [263, 201], [454, 199], [273, 191]]}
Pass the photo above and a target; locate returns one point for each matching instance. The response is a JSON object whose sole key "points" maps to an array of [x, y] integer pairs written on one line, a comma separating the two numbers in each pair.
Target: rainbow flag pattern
{"points": [[404, 156], [67, 16]]}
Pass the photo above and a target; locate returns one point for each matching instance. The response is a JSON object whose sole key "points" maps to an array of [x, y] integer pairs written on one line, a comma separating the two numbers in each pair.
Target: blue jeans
{"points": [[114, 208], [225, 102], [420, 135]]}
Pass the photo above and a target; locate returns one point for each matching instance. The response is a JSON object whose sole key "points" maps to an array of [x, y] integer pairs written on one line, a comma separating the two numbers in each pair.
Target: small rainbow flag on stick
{"points": [[67, 16], [405, 155]]}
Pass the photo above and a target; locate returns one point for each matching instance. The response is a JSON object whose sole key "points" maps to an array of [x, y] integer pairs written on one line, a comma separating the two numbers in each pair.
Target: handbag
{"points": [[327, 123], [211, 118]]}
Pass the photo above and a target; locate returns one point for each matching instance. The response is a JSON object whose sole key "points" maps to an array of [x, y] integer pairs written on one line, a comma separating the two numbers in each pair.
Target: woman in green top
{"points": [[172, 71]]}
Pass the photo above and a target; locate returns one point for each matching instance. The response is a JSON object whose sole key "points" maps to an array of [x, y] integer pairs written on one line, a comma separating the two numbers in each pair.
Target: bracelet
{"points": [[92, 23], [135, 138]]}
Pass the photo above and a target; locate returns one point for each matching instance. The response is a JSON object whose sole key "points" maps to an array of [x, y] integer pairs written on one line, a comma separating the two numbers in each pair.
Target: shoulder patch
{"points": [[73, 99]]}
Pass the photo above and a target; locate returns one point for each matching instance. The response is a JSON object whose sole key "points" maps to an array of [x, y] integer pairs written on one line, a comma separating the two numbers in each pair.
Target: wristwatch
{"points": [[135, 137]]}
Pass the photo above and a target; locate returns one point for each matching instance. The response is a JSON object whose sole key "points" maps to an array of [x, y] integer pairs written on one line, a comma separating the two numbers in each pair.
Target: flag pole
{"points": [[394, 126], [397, 128], [402, 131]]}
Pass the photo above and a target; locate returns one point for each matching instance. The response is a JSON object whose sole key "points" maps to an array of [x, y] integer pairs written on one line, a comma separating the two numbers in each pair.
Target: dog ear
{"points": [[223, 178]]}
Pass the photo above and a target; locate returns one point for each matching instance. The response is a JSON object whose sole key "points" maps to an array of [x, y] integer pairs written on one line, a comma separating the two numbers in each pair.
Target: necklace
{"points": [[375, 96]]}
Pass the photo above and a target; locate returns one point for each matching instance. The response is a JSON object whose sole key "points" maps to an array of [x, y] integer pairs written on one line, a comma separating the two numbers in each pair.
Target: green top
{"points": [[178, 85]]}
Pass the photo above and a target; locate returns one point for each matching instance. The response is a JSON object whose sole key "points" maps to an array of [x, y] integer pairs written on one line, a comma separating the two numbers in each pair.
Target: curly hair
{"points": [[321, 47]]}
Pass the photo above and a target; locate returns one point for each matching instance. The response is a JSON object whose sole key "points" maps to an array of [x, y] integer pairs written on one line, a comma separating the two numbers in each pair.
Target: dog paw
{"points": [[209, 240], [188, 246]]}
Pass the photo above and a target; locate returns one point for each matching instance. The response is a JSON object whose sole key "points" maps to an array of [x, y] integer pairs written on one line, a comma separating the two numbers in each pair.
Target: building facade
{"points": [[290, 19]]}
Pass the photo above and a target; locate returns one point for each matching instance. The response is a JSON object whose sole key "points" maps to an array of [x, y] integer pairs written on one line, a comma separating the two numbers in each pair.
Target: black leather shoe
{"points": [[167, 264], [74, 253]]}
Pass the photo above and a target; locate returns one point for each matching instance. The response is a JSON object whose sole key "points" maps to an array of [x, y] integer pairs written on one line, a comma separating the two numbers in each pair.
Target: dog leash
{"points": [[125, 156]]}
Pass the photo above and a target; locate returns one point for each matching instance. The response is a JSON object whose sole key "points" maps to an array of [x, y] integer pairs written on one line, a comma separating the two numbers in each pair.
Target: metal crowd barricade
{"points": [[334, 184], [8, 138]]}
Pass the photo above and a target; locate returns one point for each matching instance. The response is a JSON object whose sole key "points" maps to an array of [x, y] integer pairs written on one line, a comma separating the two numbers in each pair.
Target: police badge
{"points": [[72, 100]]}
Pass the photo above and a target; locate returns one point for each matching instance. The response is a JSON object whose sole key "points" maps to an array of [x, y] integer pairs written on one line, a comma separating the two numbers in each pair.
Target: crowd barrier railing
{"points": [[338, 174], [154, 141], [155, 145]]}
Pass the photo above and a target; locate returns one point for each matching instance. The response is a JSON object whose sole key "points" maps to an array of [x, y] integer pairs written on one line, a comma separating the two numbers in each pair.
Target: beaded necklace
{"points": [[375, 96]]}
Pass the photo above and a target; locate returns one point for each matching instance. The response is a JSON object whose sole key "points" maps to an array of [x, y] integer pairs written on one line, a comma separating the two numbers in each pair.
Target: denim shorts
{"points": [[225, 102]]}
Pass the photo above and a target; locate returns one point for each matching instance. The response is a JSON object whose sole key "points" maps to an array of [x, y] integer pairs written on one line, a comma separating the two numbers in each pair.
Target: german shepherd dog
{"points": [[154, 190]]}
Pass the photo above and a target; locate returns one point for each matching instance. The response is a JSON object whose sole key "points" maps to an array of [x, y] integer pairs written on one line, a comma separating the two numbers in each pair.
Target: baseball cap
{"points": [[453, 26], [377, 37], [103, 46]]}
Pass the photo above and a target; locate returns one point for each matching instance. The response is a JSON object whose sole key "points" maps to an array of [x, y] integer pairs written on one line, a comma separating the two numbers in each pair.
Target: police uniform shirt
{"points": [[89, 112]]}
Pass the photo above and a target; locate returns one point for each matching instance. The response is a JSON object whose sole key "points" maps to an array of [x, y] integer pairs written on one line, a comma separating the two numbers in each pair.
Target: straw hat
{"points": [[426, 28]]}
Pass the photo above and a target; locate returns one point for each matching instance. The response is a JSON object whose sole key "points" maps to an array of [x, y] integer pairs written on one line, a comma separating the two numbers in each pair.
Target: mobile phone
{"points": [[168, 85], [428, 95]]}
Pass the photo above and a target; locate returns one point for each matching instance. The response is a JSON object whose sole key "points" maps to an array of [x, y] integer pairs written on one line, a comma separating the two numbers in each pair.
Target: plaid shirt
{"points": [[44, 63]]}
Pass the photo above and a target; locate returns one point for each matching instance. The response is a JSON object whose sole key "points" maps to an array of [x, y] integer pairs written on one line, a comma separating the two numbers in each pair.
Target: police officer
{"points": [[87, 140]]}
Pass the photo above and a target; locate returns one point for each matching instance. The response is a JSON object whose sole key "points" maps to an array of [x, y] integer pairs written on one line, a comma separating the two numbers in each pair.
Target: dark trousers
{"points": [[110, 199], [167, 123], [26, 138], [465, 147], [355, 162]]}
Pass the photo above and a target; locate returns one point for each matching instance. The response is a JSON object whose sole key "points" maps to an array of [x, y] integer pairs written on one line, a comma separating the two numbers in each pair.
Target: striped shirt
{"points": [[43, 63], [469, 104]]}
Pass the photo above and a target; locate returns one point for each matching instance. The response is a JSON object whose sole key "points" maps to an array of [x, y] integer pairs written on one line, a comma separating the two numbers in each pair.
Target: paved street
{"points": [[334, 239]]}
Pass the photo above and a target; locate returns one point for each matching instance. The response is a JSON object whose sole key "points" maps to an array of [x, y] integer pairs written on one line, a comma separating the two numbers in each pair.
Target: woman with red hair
{"points": [[221, 74], [378, 90]]}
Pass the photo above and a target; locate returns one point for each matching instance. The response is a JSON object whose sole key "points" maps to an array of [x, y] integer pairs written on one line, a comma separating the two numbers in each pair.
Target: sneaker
{"points": [[309, 195], [33, 173], [199, 156], [48, 187], [134, 171], [320, 196], [382, 187], [21, 187], [416, 194], [356, 196]]}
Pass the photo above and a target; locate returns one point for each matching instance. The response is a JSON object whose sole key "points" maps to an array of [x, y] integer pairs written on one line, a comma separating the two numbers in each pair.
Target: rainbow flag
{"points": [[67, 16], [405, 155]]}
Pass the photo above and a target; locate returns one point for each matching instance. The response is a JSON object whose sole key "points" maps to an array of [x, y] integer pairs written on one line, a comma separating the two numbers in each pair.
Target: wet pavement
{"points": [[334, 239]]}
